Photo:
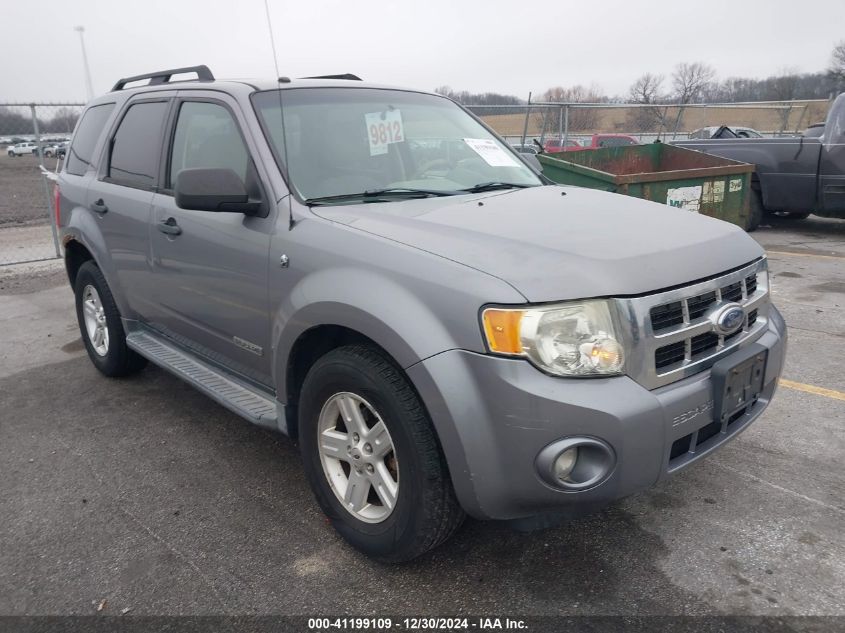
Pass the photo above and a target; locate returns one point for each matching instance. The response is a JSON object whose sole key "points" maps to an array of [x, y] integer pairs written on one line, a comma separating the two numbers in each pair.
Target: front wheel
{"points": [[100, 325], [372, 457]]}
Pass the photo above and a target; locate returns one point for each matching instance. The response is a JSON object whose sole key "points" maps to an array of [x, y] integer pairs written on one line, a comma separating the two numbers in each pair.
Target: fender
{"points": [[374, 305], [82, 227]]}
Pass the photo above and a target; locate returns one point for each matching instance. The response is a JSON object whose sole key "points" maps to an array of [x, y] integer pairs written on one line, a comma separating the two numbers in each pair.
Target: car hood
{"points": [[555, 243]]}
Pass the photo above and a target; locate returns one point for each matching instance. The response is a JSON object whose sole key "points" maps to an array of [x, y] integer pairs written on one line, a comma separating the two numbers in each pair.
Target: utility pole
{"points": [[89, 86]]}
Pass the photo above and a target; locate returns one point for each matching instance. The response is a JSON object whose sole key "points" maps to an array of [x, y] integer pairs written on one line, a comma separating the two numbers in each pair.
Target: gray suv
{"points": [[376, 273]]}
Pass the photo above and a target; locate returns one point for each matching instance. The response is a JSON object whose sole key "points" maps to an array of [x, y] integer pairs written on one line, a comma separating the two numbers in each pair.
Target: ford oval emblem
{"points": [[729, 319]]}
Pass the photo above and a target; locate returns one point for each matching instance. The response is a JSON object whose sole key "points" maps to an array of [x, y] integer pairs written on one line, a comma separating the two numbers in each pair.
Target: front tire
{"points": [[372, 457], [100, 325]]}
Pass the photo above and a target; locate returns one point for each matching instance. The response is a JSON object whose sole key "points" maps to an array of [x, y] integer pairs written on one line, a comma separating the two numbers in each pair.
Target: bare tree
{"points": [[646, 90], [689, 80], [580, 119], [837, 63]]}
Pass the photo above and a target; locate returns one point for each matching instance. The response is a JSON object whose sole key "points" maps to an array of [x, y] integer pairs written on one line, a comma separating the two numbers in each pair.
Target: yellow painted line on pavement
{"points": [[788, 254], [819, 391]]}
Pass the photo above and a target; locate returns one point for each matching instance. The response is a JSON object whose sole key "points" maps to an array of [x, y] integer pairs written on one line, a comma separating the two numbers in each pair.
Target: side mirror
{"points": [[212, 189]]}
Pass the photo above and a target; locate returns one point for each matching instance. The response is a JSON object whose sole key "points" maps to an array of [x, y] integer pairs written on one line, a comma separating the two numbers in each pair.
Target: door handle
{"points": [[169, 226], [99, 206]]}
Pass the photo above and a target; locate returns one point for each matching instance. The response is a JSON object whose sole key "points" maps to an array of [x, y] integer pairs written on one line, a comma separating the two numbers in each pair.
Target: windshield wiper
{"points": [[494, 185], [370, 194]]}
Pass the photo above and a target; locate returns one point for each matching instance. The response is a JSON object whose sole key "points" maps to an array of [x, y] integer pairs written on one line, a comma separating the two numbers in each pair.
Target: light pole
{"points": [[89, 86]]}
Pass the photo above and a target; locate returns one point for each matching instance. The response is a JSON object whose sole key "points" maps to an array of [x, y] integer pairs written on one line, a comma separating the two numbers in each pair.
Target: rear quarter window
{"points": [[85, 140]]}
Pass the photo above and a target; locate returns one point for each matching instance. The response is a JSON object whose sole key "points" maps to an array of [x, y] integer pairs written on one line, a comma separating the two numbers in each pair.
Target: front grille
{"points": [[695, 441], [670, 354], [700, 304], [703, 343], [666, 316], [676, 336], [751, 284]]}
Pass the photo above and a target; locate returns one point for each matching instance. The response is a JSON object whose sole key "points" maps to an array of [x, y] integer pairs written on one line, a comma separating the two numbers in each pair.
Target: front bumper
{"points": [[494, 415]]}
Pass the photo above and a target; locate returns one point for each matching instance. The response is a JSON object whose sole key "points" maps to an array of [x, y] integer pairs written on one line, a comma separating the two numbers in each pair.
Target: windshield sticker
{"points": [[383, 129], [687, 198], [491, 152]]}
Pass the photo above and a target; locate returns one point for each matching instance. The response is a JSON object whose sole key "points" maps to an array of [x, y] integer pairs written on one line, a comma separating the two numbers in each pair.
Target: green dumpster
{"points": [[683, 178]]}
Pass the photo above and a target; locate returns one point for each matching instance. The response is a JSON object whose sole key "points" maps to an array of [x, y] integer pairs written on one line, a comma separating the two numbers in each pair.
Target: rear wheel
{"points": [[100, 325], [372, 457]]}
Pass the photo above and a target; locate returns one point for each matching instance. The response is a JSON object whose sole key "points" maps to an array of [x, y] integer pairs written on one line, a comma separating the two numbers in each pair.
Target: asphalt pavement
{"points": [[142, 496]]}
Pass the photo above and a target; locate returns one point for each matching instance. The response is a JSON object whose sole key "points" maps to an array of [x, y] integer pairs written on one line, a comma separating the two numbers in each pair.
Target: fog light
{"points": [[565, 462], [574, 464]]}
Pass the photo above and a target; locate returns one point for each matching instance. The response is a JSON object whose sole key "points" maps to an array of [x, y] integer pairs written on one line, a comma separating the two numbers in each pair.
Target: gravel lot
{"points": [[23, 200], [145, 494]]}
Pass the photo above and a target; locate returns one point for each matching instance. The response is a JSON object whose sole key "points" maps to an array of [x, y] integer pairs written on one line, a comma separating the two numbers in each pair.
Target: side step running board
{"points": [[239, 398]]}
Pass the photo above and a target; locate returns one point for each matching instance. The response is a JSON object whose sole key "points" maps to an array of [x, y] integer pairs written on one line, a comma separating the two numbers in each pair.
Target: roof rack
{"points": [[347, 76], [163, 76]]}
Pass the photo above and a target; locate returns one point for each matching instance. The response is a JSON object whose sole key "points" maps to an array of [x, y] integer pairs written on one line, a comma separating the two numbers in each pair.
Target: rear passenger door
{"points": [[121, 198], [211, 275]]}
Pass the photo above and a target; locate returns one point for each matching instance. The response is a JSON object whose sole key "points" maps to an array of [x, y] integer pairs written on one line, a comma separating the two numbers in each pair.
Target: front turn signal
{"points": [[501, 328]]}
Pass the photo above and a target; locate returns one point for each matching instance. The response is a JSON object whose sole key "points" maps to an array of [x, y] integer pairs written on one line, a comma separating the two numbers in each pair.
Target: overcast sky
{"points": [[504, 46]]}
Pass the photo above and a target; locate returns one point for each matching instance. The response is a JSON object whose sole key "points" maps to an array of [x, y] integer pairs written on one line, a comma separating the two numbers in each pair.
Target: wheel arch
{"points": [[307, 349], [76, 254]]}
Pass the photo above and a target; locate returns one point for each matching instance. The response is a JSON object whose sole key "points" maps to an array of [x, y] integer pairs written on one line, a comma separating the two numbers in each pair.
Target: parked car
{"points": [[19, 149], [57, 150], [445, 336], [552, 145], [594, 142], [796, 176], [609, 140]]}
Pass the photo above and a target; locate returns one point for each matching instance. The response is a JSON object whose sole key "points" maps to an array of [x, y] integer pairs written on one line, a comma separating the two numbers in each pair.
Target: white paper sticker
{"points": [[735, 184], [688, 198], [383, 129], [714, 192], [491, 152]]}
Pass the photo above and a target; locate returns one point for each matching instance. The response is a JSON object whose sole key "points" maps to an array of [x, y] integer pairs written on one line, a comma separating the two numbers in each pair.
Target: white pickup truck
{"points": [[21, 148]]}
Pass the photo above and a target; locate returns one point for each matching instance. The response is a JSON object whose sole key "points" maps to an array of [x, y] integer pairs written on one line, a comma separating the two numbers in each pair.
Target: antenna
{"points": [[281, 113]]}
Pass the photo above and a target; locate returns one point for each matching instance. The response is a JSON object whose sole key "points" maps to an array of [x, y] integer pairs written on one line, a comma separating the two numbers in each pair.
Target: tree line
{"points": [[13, 122], [689, 82]]}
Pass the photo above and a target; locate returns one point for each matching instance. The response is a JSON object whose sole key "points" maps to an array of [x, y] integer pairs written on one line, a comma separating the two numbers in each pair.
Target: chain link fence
{"points": [[576, 122], [33, 139]]}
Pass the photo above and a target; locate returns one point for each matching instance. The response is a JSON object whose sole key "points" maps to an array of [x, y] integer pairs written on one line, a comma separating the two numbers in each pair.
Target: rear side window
{"points": [[136, 145], [93, 121], [615, 141]]}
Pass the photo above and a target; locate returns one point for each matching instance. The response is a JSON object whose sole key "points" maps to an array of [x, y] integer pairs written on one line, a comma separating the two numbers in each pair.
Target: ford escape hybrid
{"points": [[373, 271]]}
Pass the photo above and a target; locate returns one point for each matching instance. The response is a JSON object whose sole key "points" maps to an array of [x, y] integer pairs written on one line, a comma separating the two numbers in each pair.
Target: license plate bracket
{"points": [[738, 380]]}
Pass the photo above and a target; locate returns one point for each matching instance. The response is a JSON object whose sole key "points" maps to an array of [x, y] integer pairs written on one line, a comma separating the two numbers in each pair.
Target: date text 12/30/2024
{"points": [[416, 624]]}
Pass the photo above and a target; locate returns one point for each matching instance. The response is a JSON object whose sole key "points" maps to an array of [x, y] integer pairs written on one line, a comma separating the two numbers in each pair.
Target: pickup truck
{"points": [[19, 149], [795, 176], [373, 271]]}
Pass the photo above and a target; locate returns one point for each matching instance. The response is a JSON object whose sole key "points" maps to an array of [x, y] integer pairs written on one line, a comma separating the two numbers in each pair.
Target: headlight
{"points": [[569, 339]]}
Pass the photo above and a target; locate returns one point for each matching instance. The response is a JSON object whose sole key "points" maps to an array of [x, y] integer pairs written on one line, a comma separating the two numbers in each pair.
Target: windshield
{"points": [[348, 141]]}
